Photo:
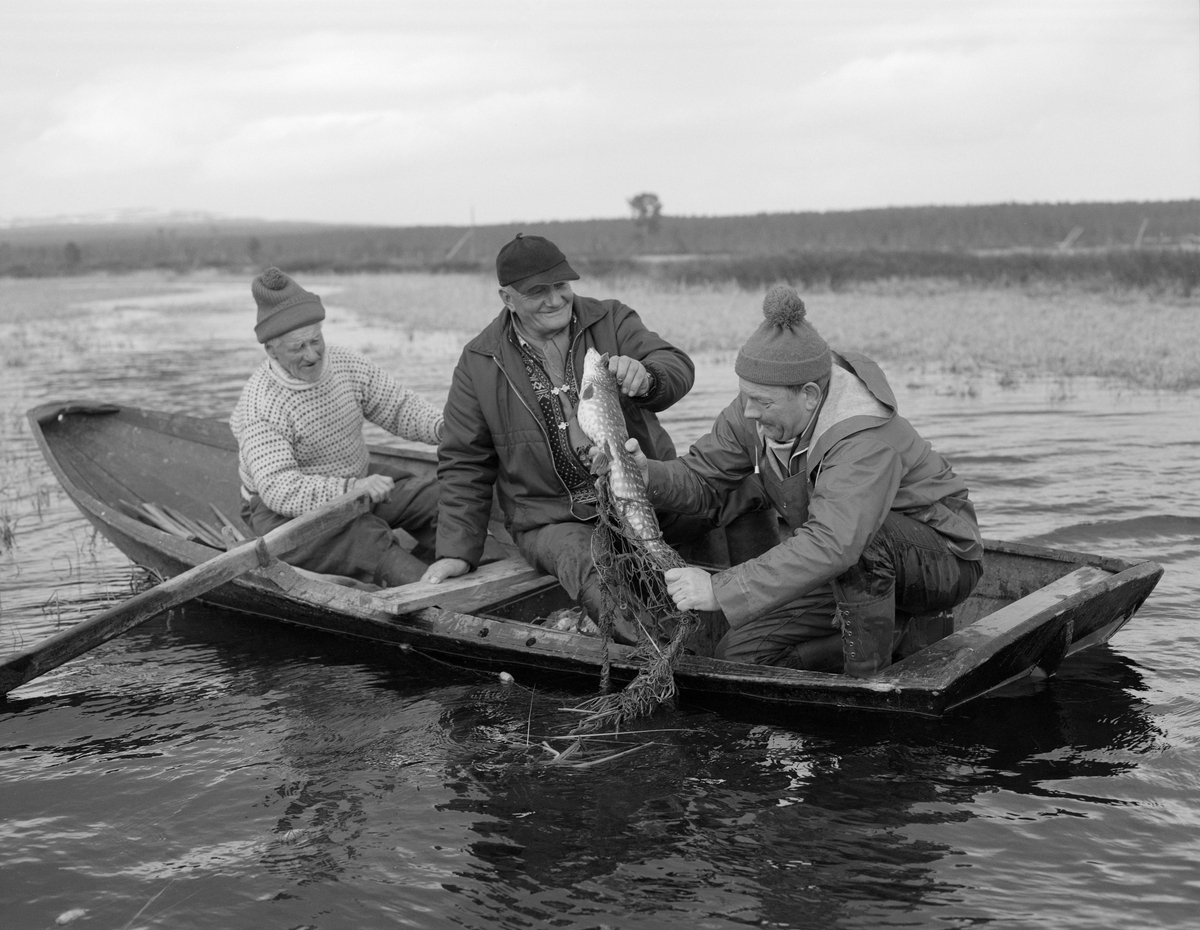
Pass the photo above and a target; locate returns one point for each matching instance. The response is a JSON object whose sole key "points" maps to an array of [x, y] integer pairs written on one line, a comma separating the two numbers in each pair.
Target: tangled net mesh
{"points": [[632, 587]]}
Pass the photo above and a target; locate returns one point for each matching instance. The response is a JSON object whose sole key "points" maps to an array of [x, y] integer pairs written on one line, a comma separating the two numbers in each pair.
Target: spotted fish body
{"points": [[599, 415]]}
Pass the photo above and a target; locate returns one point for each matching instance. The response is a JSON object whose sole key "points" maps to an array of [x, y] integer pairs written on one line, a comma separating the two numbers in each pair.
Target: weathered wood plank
{"points": [[489, 584], [52, 652]]}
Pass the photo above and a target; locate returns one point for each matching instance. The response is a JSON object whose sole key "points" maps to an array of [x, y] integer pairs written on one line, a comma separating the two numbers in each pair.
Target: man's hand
{"points": [[442, 569], [631, 374], [601, 464], [691, 588], [377, 486]]}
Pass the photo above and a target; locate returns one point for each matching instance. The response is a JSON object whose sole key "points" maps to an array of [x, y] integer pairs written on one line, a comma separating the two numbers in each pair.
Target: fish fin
{"points": [[600, 461], [588, 392], [604, 360]]}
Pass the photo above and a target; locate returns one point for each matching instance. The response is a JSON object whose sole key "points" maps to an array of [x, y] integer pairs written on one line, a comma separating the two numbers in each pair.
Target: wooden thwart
{"points": [[477, 591], [486, 585]]}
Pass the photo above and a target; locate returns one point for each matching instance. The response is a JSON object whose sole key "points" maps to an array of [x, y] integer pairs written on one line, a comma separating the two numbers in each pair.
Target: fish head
{"points": [[596, 375], [599, 410]]}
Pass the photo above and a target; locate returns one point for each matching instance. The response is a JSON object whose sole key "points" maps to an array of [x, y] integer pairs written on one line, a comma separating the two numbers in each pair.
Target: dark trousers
{"points": [[905, 570], [911, 564], [360, 548]]}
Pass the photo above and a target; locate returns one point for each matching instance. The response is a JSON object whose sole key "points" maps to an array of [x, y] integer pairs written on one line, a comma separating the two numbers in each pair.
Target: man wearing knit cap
{"points": [[880, 529], [299, 426], [510, 418]]}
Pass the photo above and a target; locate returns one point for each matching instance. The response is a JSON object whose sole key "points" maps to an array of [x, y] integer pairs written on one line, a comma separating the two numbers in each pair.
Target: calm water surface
{"points": [[208, 771]]}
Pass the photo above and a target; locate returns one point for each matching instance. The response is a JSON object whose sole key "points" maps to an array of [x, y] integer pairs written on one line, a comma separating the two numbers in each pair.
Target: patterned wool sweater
{"points": [[301, 444]]}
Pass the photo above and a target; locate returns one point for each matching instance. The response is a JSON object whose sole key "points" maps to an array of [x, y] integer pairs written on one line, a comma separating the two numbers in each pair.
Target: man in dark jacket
{"points": [[880, 526], [510, 418]]}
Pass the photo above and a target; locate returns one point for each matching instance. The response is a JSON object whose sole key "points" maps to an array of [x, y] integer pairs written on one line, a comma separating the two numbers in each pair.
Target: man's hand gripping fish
{"points": [[600, 416]]}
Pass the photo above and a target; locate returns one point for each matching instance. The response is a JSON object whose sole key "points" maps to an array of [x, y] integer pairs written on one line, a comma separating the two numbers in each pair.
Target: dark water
{"points": [[205, 770]]}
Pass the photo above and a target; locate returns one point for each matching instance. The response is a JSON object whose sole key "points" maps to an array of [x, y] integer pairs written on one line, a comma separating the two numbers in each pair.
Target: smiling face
{"points": [[301, 353], [544, 310], [781, 413]]}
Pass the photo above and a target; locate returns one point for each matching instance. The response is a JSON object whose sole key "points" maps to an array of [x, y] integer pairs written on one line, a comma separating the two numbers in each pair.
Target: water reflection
{"points": [[784, 823]]}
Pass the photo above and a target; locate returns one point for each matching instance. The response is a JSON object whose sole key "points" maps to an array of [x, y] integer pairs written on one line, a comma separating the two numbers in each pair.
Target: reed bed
{"points": [[1135, 337], [1140, 337]]}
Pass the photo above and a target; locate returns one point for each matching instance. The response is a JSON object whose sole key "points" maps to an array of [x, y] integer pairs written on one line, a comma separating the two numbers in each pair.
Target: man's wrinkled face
{"points": [[544, 310], [301, 353], [781, 413]]}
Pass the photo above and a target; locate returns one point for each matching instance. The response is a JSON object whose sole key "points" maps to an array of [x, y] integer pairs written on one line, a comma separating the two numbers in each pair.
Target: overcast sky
{"points": [[432, 111]]}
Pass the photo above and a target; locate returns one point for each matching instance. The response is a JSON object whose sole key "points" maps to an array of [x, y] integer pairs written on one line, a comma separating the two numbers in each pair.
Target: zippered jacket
{"points": [[863, 460], [495, 437]]}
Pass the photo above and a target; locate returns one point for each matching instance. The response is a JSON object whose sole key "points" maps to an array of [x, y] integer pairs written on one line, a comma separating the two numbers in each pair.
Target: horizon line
{"points": [[136, 215]]}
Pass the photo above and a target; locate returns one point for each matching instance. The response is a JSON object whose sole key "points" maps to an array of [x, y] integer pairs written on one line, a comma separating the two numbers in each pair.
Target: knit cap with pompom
{"points": [[283, 305], [785, 349]]}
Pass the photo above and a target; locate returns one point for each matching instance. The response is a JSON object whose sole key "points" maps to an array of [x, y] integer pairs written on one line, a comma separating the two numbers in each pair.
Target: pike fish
{"points": [[600, 417]]}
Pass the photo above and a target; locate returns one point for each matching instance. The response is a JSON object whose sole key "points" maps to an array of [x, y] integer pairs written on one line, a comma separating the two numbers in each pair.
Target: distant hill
{"points": [[196, 241]]}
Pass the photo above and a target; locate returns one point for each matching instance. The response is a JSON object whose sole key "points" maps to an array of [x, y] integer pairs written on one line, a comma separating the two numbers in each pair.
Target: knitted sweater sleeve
{"points": [[399, 410], [267, 456]]}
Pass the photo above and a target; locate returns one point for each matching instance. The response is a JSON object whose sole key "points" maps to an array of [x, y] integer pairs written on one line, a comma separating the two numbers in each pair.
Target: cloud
{"points": [[206, 115], [415, 113]]}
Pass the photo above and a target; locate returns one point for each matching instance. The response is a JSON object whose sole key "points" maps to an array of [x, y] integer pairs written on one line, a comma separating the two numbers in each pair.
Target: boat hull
{"points": [[1032, 607]]}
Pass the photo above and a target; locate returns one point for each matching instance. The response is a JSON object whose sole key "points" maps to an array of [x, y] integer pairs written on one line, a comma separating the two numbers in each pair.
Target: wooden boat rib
{"points": [[1033, 606]]}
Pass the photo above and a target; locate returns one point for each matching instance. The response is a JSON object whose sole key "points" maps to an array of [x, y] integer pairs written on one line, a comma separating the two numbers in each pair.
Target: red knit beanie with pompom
{"points": [[785, 349], [283, 305]]}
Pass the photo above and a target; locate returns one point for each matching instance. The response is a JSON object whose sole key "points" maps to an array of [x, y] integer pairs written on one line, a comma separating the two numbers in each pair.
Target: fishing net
{"points": [[633, 589]]}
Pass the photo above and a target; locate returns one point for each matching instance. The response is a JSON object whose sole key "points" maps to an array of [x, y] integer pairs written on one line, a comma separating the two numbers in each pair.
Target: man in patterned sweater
{"points": [[299, 427]]}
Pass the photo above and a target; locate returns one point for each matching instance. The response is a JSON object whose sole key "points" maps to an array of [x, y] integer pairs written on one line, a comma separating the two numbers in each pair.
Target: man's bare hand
{"points": [[639, 459], [600, 462], [442, 569], [631, 375], [691, 588], [377, 486]]}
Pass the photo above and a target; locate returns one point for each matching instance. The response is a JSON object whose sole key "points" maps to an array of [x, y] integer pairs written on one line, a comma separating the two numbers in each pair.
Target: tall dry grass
{"points": [[1136, 337], [1140, 338]]}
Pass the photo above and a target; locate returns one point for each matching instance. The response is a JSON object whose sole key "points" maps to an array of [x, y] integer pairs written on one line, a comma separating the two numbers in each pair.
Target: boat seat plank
{"points": [[474, 592]]}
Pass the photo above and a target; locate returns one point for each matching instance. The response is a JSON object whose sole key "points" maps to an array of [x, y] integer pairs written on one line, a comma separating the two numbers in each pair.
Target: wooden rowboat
{"points": [[161, 487]]}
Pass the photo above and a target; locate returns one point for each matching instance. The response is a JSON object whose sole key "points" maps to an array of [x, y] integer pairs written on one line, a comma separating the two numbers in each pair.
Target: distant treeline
{"points": [[1128, 244]]}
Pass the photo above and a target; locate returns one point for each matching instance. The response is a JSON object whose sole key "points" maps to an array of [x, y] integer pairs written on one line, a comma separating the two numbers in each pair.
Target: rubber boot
{"points": [[823, 654], [398, 567], [868, 632]]}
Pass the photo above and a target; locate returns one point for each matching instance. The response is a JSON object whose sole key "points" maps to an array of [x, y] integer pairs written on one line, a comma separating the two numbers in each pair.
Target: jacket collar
{"points": [[854, 404]]}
